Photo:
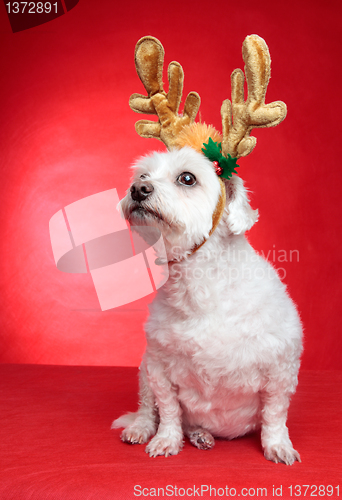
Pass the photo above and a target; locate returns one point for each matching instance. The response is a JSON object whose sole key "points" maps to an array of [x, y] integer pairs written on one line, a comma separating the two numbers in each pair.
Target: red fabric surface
{"points": [[67, 132], [56, 441]]}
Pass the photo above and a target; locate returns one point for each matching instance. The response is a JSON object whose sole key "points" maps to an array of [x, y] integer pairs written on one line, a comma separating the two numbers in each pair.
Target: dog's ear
{"points": [[240, 215]]}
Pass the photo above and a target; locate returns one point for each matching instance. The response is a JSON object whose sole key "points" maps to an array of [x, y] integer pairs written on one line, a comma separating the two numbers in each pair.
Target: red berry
{"points": [[218, 169]]}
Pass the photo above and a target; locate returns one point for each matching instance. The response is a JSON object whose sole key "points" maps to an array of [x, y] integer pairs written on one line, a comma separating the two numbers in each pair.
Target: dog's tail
{"points": [[124, 420]]}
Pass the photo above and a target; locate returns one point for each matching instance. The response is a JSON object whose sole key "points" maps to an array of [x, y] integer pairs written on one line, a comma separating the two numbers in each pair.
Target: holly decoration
{"points": [[224, 166]]}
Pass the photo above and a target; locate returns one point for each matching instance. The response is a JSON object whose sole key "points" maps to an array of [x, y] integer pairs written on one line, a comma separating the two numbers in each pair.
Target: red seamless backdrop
{"points": [[67, 132]]}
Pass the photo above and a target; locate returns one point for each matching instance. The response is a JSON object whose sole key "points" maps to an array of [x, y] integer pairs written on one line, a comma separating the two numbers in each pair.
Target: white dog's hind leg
{"points": [[169, 438], [140, 426], [274, 433], [200, 438]]}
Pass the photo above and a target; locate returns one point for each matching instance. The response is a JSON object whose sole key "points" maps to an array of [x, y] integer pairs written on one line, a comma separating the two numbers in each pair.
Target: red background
{"points": [[67, 132]]}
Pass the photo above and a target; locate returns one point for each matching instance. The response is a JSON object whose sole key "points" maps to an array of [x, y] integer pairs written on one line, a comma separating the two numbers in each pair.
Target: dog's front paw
{"points": [[136, 434], [166, 446], [284, 453]]}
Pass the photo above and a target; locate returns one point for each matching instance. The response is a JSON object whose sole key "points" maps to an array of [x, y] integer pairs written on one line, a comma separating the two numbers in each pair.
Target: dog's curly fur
{"points": [[223, 337]]}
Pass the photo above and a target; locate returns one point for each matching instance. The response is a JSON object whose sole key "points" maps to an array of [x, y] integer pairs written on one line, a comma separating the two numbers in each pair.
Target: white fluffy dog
{"points": [[223, 336]]}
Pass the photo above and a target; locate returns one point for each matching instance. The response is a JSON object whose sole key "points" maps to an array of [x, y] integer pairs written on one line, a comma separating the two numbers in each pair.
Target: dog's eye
{"points": [[143, 176], [187, 179]]}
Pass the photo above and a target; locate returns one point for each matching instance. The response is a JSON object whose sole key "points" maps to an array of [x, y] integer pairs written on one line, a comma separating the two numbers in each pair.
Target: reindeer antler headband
{"points": [[149, 59], [239, 116]]}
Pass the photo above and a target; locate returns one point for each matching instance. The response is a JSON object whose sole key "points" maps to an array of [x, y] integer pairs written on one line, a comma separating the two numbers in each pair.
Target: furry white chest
{"points": [[233, 318]]}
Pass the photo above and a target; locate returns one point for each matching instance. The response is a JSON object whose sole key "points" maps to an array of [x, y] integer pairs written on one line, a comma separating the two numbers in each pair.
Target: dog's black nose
{"points": [[141, 190]]}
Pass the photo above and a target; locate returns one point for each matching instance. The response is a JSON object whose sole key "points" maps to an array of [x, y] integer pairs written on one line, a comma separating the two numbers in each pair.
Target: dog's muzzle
{"points": [[140, 190]]}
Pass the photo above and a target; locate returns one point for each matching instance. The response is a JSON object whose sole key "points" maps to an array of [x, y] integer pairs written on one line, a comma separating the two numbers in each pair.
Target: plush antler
{"points": [[149, 58], [239, 117]]}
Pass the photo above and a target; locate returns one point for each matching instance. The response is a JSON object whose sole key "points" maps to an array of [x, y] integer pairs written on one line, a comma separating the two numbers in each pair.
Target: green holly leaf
{"points": [[228, 164], [213, 152]]}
